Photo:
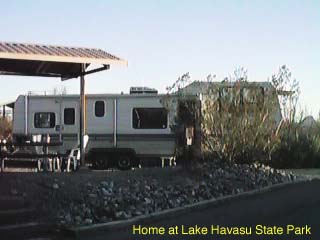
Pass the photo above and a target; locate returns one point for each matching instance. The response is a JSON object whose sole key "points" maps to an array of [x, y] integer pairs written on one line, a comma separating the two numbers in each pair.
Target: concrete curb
{"points": [[170, 213]]}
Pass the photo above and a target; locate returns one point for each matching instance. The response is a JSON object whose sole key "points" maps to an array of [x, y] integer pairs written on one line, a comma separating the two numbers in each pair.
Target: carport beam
{"points": [[82, 116]]}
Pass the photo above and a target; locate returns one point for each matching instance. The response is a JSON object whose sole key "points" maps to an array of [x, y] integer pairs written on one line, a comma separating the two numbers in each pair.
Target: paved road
{"points": [[17, 221], [297, 204]]}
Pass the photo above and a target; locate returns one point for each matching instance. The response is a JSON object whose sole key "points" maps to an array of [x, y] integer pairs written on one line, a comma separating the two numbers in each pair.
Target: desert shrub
{"points": [[243, 122], [239, 122], [299, 146], [5, 128], [243, 127]]}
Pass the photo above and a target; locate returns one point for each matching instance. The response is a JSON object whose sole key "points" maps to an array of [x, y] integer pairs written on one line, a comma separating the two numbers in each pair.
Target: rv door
{"points": [[69, 118]]}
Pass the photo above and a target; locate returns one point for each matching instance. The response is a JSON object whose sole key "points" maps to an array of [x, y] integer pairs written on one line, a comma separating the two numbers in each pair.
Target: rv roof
{"points": [[102, 95]]}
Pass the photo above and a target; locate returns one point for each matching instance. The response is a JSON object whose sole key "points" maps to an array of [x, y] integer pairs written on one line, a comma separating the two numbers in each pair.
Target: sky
{"points": [[163, 39]]}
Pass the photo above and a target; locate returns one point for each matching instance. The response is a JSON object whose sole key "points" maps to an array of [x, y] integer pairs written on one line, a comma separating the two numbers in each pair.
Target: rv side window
{"points": [[44, 120], [99, 109], [69, 116], [149, 118]]}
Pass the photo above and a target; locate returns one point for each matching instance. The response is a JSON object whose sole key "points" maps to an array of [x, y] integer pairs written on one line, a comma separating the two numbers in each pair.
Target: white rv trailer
{"points": [[261, 90], [121, 127]]}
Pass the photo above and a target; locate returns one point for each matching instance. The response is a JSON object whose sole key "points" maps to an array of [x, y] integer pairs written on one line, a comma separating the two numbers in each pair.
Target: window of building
{"points": [[149, 118], [69, 116], [99, 109], [44, 120]]}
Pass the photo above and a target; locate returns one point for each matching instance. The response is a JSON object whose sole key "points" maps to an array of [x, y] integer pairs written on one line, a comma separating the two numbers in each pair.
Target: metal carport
{"points": [[39, 60]]}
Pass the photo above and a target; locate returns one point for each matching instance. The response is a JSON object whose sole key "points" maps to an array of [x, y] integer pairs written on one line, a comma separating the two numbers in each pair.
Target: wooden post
{"points": [[82, 115], [3, 111]]}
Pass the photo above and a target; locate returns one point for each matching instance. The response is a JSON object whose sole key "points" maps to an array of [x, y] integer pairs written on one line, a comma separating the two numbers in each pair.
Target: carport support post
{"points": [[82, 116]]}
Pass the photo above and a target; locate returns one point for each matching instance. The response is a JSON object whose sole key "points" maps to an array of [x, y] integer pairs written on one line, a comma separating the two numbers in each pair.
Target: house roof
{"points": [[50, 60]]}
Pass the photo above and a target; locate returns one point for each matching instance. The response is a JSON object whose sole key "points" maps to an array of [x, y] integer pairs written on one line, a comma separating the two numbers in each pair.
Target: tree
{"points": [[288, 91], [184, 114]]}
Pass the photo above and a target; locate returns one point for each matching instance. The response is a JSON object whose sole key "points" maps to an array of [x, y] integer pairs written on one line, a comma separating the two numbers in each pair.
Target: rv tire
{"points": [[100, 163], [124, 161]]}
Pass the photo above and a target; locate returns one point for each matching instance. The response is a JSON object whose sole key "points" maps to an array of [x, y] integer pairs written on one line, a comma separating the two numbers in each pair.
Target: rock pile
{"points": [[109, 201]]}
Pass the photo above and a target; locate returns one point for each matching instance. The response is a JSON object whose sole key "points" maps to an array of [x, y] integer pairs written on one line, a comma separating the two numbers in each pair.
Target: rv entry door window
{"points": [[99, 109], [69, 116], [149, 118], [44, 120]]}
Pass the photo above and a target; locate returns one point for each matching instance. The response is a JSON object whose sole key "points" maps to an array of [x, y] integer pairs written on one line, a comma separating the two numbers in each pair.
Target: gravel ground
{"points": [[84, 198]]}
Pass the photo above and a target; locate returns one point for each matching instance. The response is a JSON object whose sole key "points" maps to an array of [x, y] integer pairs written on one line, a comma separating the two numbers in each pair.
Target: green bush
{"points": [[299, 147]]}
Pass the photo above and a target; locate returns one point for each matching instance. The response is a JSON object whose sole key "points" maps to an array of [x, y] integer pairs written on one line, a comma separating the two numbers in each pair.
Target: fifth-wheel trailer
{"points": [[122, 128]]}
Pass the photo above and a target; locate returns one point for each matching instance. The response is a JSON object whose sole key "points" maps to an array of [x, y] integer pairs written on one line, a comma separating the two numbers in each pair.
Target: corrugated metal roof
{"points": [[39, 52], [51, 61]]}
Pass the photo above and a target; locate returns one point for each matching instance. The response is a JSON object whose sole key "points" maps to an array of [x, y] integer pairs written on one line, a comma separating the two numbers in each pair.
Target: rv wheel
{"points": [[124, 162], [99, 163]]}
